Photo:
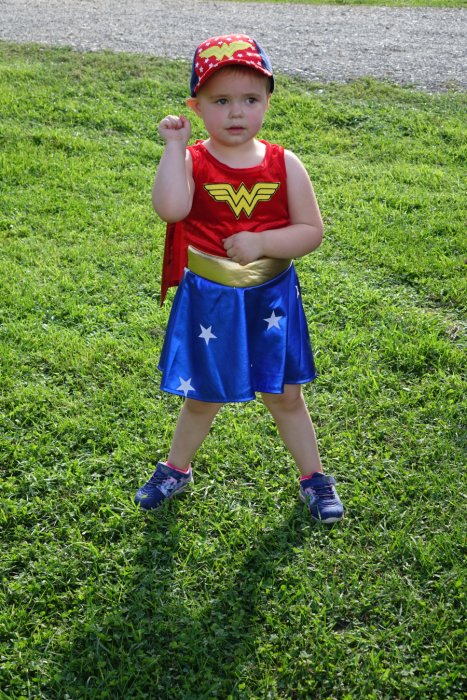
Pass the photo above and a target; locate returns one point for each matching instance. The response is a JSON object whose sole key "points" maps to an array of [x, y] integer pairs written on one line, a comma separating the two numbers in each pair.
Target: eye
{"points": [[251, 100], [221, 101]]}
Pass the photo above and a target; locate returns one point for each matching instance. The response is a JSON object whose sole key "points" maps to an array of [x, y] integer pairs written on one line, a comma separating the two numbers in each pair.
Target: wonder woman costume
{"points": [[234, 330]]}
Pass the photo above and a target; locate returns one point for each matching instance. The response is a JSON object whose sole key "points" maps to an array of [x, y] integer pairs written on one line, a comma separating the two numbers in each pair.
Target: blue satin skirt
{"points": [[224, 344]]}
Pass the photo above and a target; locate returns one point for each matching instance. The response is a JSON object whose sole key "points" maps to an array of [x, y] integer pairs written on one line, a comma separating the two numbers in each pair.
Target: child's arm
{"points": [[172, 192], [304, 233]]}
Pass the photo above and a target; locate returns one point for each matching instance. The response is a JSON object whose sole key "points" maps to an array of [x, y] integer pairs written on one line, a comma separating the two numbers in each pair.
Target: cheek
{"points": [[211, 120], [258, 117]]}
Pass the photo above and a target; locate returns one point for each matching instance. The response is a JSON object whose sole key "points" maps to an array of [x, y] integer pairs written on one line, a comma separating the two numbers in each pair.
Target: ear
{"points": [[193, 104]]}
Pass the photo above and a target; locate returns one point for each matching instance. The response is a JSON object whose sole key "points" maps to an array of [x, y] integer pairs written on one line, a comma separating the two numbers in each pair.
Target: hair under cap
{"points": [[229, 50]]}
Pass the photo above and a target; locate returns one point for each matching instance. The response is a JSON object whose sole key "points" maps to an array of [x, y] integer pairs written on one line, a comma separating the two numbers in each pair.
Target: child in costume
{"points": [[238, 210]]}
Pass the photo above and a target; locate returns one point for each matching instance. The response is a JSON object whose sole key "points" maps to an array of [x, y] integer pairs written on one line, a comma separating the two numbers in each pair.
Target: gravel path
{"points": [[425, 47]]}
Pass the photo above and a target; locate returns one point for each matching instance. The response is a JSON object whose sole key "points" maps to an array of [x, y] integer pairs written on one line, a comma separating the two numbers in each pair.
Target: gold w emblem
{"points": [[242, 199], [226, 50]]}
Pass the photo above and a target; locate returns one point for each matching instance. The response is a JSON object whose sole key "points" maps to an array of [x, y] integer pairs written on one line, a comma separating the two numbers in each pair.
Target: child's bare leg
{"points": [[293, 421], [193, 424]]}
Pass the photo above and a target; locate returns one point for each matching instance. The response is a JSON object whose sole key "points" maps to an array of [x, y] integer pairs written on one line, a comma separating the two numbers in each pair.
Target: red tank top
{"points": [[226, 201]]}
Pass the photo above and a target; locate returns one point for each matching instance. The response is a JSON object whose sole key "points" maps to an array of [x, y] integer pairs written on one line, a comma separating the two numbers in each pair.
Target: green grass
{"points": [[381, 3], [229, 592]]}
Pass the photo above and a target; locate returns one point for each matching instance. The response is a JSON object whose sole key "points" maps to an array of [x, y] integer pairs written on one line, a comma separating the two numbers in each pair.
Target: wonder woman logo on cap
{"points": [[219, 51], [225, 50]]}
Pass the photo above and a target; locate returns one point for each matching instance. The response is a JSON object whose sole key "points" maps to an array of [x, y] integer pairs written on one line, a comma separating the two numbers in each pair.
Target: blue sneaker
{"points": [[321, 497], [163, 484]]}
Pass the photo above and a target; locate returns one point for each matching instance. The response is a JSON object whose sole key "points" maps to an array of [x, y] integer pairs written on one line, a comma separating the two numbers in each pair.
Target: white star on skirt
{"points": [[206, 334], [185, 386], [272, 321]]}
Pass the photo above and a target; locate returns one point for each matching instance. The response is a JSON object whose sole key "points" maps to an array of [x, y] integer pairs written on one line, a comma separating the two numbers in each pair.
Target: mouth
{"points": [[236, 129]]}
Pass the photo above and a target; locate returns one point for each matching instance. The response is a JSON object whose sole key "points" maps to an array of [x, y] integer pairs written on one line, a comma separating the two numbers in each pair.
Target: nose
{"points": [[236, 109]]}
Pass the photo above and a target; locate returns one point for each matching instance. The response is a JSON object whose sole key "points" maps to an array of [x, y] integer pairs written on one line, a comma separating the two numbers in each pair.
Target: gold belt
{"points": [[226, 271]]}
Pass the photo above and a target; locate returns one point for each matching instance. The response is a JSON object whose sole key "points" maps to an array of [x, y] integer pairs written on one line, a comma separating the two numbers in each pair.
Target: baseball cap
{"points": [[231, 49]]}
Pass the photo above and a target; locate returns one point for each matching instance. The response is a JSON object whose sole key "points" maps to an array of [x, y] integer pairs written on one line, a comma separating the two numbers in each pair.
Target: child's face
{"points": [[232, 105]]}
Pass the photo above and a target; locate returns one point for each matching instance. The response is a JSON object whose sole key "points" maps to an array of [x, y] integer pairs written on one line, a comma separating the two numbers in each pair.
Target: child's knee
{"points": [[289, 400], [201, 408]]}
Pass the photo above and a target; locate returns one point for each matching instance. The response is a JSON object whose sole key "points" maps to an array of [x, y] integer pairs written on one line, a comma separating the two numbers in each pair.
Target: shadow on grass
{"points": [[164, 641]]}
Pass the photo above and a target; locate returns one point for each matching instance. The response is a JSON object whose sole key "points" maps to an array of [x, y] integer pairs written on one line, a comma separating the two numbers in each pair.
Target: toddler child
{"points": [[238, 210]]}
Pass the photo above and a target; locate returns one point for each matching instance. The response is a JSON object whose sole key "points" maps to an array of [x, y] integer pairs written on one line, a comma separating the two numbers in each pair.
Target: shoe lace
{"points": [[159, 478], [321, 490]]}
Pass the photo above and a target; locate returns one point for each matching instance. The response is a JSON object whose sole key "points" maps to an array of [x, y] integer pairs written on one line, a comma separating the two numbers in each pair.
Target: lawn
{"points": [[229, 591]]}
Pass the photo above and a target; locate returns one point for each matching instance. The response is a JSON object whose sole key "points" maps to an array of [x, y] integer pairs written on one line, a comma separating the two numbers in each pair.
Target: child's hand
{"points": [[175, 129], [244, 247]]}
